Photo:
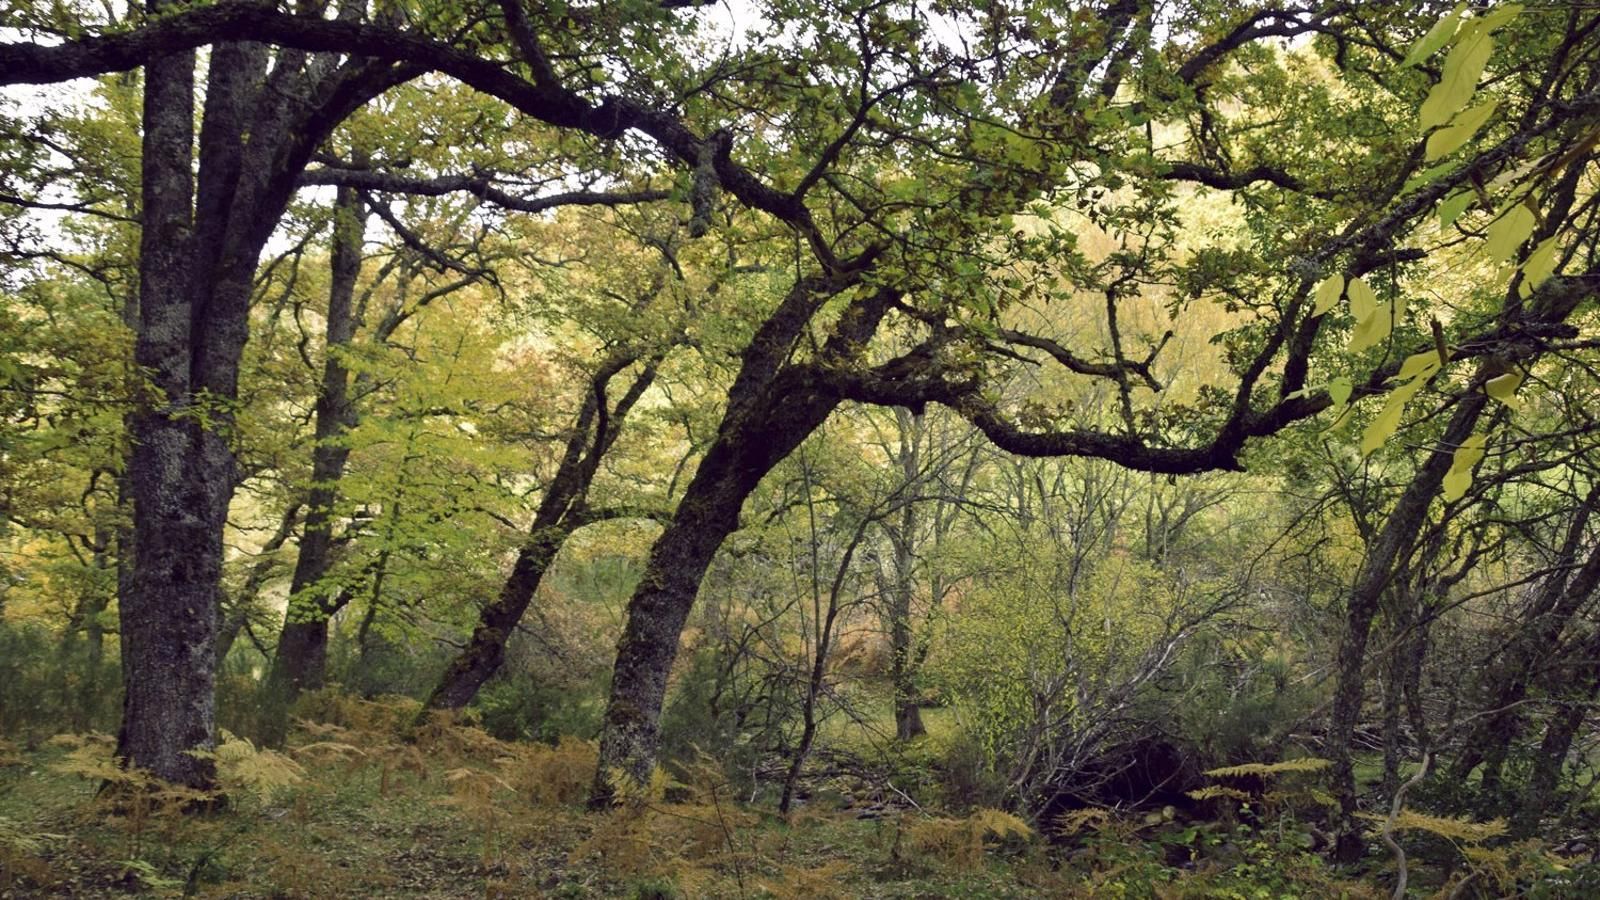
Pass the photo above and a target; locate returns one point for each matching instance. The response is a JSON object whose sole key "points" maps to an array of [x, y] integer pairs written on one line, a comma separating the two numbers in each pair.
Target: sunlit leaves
{"points": [[1508, 232], [1454, 205], [1459, 478], [1437, 36], [1462, 68], [1339, 391], [1388, 421], [1362, 300], [1504, 387], [1540, 265], [1447, 140], [1328, 293], [1425, 363]]}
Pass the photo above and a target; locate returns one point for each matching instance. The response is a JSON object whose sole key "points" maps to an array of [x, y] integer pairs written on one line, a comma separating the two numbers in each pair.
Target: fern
{"points": [[961, 842], [1090, 817], [1450, 828], [242, 765], [1268, 770], [1213, 791]]}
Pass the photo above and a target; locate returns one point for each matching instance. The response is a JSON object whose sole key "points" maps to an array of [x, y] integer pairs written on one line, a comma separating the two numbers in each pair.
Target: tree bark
{"points": [[772, 407], [301, 660], [902, 663], [1552, 610], [205, 222], [177, 469], [561, 512]]}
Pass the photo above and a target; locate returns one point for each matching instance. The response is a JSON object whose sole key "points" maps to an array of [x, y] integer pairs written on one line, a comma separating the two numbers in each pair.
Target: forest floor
{"points": [[349, 810]]}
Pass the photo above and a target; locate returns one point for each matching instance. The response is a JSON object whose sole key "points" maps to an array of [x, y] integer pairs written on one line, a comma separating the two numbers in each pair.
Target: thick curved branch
{"points": [[477, 185]]}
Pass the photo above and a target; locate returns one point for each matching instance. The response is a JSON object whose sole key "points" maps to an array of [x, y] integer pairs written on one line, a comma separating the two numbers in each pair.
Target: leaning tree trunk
{"points": [[561, 511], [1552, 759], [1377, 571], [707, 514], [768, 416], [1553, 609]]}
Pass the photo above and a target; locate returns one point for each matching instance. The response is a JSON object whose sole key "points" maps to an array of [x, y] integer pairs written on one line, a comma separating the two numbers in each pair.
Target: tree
{"points": [[909, 215]]}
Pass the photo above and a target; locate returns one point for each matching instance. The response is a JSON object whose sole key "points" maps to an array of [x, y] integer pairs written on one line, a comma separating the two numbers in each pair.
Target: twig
{"points": [[1388, 826]]}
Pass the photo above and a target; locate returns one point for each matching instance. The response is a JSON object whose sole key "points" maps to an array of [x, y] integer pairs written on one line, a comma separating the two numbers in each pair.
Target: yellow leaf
{"points": [[1423, 364], [1388, 421], [1453, 206], [1437, 37], [1328, 293], [1446, 141], [1339, 391], [1498, 17], [1459, 79], [1372, 330], [1541, 265], [1362, 300], [1508, 232], [1504, 387], [1459, 478]]}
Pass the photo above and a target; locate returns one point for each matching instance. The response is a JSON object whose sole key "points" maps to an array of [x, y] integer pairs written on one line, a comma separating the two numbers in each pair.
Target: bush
{"points": [[523, 707]]}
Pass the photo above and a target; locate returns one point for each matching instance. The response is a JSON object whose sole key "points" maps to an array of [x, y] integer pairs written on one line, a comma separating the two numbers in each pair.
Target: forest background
{"points": [[869, 448]]}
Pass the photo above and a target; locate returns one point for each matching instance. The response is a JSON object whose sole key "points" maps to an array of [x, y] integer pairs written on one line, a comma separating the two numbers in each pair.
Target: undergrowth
{"points": [[362, 804]]}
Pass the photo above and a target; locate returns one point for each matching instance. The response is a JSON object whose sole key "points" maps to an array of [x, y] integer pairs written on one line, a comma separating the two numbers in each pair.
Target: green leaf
{"points": [[1428, 176], [1504, 387], [1453, 206], [1508, 232], [1541, 264], [1459, 80], [1496, 19], [1362, 300], [1459, 478], [1437, 36], [1339, 390], [1372, 330], [1388, 421], [1420, 364], [1446, 141], [1328, 293]]}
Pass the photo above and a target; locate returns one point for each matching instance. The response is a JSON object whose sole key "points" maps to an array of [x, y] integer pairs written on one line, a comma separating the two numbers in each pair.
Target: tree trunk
{"points": [[707, 514], [560, 513], [301, 660], [236, 619], [180, 473], [1377, 570], [902, 665], [1552, 759], [768, 415], [204, 224], [1563, 595]]}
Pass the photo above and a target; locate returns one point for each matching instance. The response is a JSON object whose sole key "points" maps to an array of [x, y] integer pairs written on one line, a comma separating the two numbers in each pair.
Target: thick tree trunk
{"points": [[300, 663], [180, 473], [1377, 571], [204, 223]]}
